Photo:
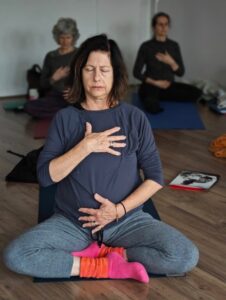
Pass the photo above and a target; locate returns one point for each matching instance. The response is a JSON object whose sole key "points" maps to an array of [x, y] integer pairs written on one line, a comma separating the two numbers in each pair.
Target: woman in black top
{"points": [[157, 62]]}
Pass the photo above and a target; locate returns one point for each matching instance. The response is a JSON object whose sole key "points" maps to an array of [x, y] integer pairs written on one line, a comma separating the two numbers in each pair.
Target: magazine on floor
{"points": [[194, 180]]}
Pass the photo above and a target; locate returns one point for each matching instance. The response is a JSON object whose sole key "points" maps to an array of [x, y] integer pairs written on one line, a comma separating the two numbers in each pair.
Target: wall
{"points": [[26, 32], [199, 27]]}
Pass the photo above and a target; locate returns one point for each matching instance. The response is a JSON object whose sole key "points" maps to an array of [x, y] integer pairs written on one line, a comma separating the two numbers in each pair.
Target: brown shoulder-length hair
{"points": [[120, 77]]}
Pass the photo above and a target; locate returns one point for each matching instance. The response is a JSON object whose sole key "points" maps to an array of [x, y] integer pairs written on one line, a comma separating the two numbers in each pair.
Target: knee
{"points": [[189, 260], [11, 257]]}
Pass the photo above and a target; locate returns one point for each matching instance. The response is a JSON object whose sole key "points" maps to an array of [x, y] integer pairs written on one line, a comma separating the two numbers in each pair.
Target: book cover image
{"points": [[194, 180]]}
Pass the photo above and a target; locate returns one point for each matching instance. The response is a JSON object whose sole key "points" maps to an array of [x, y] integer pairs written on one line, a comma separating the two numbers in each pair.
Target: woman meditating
{"points": [[158, 61], [94, 152], [55, 71]]}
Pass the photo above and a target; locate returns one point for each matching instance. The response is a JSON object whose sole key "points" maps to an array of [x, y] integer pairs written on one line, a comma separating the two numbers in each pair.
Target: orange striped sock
{"points": [[93, 250], [94, 267], [104, 250]]}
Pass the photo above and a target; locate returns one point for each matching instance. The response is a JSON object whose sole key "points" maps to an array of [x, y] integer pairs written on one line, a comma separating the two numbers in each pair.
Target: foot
{"points": [[93, 250], [118, 268]]}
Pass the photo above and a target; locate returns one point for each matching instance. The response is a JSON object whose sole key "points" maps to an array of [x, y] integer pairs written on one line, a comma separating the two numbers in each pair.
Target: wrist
{"points": [[82, 149], [149, 80], [52, 80], [174, 66], [85, 146], [120, 211]]}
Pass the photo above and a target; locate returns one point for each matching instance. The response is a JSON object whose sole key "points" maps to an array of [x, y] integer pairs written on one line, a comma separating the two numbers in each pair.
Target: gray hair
{"points": [[65, 26]]}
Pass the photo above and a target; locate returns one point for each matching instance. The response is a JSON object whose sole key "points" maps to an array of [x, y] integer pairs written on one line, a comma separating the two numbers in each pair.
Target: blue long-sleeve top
{"points": [[113, 177]]}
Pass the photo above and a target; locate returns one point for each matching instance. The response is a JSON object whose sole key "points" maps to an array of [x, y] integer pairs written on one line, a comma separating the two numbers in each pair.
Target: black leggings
{"points": [[47, 106], [151, 95]]}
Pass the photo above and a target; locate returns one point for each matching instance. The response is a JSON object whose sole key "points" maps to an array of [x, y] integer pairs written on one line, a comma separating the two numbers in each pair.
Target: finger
{"points": [[88, 219], [88, 128], [90, 224], [98, 228], [113, 152], [111, 131], [89, 211], [116, 138], [99, 198], [117, 145], [85, 225]]}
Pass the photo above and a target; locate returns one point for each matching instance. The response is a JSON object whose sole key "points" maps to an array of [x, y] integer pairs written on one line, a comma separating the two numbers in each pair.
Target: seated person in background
{"points": [[95, 150], [158, 61], [55, 71]]}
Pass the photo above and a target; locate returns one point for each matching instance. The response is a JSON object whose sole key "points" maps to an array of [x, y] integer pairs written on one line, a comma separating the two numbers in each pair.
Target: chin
{"points": [[100, 96]]}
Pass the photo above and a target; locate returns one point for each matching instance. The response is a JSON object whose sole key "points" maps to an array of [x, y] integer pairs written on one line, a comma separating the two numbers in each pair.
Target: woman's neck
{"points": [[160, 38], [66, 50], [95, 104]]}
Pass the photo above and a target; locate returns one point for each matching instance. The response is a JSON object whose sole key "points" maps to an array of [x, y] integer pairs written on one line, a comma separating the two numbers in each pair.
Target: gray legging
{"points": [[44, 250]]}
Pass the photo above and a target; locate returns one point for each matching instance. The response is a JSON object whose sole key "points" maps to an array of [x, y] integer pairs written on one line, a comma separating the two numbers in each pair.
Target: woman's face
{"points": [[66, 41], [162, 27], [97, 76]]}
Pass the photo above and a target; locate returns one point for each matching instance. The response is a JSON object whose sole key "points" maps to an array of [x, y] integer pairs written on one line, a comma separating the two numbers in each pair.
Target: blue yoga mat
{"points": [[176, 115]]}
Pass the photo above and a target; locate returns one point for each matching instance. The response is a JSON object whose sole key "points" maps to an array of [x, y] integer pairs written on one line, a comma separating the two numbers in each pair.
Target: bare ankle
{"points": [[75, 271]]}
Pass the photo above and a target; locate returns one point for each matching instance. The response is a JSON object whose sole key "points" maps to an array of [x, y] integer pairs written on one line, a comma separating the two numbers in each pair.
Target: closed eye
{"points": [[89, 69], [105, 70]]}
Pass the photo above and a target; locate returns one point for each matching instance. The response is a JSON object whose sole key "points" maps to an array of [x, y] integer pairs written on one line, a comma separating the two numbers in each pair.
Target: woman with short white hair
{"points": [[55, 70]]}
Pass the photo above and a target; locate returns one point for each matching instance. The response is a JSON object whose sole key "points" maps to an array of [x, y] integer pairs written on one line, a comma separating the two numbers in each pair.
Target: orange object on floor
{"points": [[218, 143], [220, 153]]}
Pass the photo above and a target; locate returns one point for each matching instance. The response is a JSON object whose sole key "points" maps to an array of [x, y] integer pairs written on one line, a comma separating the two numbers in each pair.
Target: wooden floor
{"points": [[199, 215]]}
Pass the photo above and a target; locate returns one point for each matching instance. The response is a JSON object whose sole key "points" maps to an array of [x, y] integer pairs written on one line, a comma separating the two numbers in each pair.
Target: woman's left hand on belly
{"points": [[98, 218]]}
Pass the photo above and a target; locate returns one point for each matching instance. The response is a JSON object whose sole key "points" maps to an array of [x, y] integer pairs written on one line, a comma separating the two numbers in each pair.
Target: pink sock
{"points": [[93, 250], [120, 268]]}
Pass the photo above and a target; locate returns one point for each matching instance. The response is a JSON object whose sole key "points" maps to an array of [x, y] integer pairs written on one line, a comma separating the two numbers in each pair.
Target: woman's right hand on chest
{"points": [[103, 141], [60, 73]]}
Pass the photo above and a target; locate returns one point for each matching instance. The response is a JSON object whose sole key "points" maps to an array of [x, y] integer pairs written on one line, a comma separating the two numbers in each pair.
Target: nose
{"points": [[97, 74]]}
